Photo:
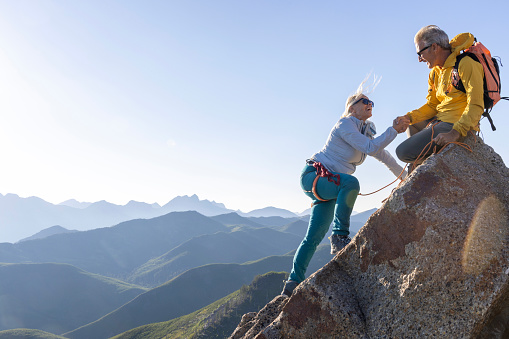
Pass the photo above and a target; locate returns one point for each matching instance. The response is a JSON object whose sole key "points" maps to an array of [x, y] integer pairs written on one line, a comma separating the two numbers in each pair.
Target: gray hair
{"points": [[361, 90], [432, 34]]}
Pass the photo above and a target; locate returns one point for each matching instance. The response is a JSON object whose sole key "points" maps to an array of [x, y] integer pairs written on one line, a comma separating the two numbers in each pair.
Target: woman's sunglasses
{"points": [[365, 102]]}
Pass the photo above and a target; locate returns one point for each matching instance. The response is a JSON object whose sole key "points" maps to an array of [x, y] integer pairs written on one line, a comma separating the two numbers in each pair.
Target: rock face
{"points": [[432, 262]]}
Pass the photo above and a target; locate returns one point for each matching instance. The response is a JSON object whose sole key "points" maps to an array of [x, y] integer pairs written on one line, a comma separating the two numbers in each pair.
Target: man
{"points": [[451, 112]]}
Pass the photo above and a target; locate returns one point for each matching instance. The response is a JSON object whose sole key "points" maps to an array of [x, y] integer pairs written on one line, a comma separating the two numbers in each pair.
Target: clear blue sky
{"points": [[148, 100]]}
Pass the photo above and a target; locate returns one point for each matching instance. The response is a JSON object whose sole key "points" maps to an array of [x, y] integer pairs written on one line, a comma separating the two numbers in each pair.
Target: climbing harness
{"points": [[323, 172], [314, 189]]}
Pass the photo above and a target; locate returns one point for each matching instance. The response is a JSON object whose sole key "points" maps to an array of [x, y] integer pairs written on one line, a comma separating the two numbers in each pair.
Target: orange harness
{"points": [[321, 171], [314, 189]]}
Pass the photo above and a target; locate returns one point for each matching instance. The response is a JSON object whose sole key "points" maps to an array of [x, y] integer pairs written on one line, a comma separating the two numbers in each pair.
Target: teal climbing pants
{"points": [[337, 209]]}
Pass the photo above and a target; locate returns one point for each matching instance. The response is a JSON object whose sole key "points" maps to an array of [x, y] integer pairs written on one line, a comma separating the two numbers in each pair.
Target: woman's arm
{"points": [[389, 161], [350, 134]]}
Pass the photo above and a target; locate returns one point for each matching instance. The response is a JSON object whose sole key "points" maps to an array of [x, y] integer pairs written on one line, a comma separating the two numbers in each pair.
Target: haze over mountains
{"points": [[98, 281], [23, 217], [31, 292], [187, 259]]}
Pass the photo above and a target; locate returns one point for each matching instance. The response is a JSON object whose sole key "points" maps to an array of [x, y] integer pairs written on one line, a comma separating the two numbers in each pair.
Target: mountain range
{"points": [[104, 281], [57, 297], [114, 251], [187, 293], [216, 320], [187, 259], [23, 217], [219, 319]]}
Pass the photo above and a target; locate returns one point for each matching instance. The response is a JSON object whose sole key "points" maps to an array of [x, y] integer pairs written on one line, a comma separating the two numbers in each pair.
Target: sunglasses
{"points": [[422, 50], [365, 102]]}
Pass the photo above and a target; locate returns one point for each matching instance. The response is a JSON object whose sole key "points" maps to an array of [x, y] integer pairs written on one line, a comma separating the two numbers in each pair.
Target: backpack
{"points": [[491, 79]]}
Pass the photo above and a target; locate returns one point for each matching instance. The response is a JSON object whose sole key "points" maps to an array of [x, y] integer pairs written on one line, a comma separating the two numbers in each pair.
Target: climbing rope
{"points": [[378, 190], [421, 156]]}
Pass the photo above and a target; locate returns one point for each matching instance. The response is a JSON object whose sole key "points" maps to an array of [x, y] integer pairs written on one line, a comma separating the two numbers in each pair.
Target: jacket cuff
{"points": [[409, 116], [461, 130]]}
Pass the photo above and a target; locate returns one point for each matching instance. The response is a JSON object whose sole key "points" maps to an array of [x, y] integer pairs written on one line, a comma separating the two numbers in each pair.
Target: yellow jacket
{"points": [[447, 103]]}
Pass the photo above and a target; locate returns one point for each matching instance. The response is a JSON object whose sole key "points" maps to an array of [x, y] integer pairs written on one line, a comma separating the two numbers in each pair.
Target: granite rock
{"points": [[432, 262]]}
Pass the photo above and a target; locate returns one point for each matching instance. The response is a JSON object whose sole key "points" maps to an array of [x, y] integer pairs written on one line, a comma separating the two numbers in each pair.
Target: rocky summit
{"points": [[432, 262]]}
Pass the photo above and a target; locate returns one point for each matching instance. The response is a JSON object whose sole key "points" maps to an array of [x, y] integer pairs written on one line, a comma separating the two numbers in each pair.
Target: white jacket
{"points": [[348, 143]]}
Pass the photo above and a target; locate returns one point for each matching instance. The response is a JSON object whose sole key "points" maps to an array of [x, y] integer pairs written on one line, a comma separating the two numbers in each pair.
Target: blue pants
{"points": [[338, 208]]}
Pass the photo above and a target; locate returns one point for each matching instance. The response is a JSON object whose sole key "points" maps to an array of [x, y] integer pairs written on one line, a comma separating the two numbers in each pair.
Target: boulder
{"points": [[433, 261]]}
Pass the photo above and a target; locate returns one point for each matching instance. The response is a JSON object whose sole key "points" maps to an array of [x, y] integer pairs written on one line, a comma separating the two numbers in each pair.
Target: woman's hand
{"points": [[400, 124]]}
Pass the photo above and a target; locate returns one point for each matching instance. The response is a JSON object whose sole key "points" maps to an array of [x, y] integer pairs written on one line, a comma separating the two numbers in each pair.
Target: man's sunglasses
{"points": [[365, 102], [422, 50]]}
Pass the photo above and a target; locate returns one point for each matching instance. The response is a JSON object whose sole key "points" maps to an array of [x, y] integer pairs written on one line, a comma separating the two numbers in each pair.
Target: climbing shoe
{"points": [[337, 242], [289, 287]]}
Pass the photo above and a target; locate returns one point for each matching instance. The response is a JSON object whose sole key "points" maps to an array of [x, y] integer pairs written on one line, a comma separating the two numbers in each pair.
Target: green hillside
{"points": [[23, 333], [219, 319], [57, 297], [238, 246], [114, 251], [189, 292]]}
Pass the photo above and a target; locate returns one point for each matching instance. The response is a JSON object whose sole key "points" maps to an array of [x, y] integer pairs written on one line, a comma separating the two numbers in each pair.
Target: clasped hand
{"points": [[400, 124]]}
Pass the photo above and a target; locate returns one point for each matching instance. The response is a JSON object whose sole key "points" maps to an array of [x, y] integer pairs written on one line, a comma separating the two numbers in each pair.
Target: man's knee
{"points": [[404, 153], [399, 152]]}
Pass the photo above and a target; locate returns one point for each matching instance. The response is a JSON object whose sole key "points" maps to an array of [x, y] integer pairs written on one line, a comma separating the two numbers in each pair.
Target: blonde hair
{"points": [[363, 89]]}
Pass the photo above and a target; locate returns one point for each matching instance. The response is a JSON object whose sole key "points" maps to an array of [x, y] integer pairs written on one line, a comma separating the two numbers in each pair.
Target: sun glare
{"points": [[486, 236]]}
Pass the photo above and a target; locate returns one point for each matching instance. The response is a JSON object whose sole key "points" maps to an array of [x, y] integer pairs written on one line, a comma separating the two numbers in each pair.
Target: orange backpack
{"points": [[491, 78]]}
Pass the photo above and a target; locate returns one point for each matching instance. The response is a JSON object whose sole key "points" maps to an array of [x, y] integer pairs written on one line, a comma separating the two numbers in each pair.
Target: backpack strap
{"points": [[459, 85], [487, 115]]}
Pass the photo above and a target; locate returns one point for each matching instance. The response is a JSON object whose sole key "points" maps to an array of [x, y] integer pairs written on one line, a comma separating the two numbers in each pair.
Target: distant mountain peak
{"points": [[48, 232], [101, 203], [185, 203], [132, 203], [75, 203], [22, 217], [269, 212]]}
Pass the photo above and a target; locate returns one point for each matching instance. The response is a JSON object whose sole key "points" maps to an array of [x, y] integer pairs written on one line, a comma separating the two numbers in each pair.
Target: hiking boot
{"points": [[289, 287], [337, 242]]}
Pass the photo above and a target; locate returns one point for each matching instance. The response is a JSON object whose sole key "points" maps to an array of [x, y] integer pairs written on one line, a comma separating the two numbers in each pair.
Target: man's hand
{"points": [[400, 124], [445, 138]]}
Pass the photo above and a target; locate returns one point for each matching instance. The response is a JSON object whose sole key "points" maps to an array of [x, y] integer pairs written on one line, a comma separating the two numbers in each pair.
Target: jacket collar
{"points": [[367, 127], [357, 122]]}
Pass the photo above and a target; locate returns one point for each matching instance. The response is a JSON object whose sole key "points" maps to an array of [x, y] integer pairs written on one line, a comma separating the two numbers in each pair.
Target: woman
{"points": [[327, 179]]}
